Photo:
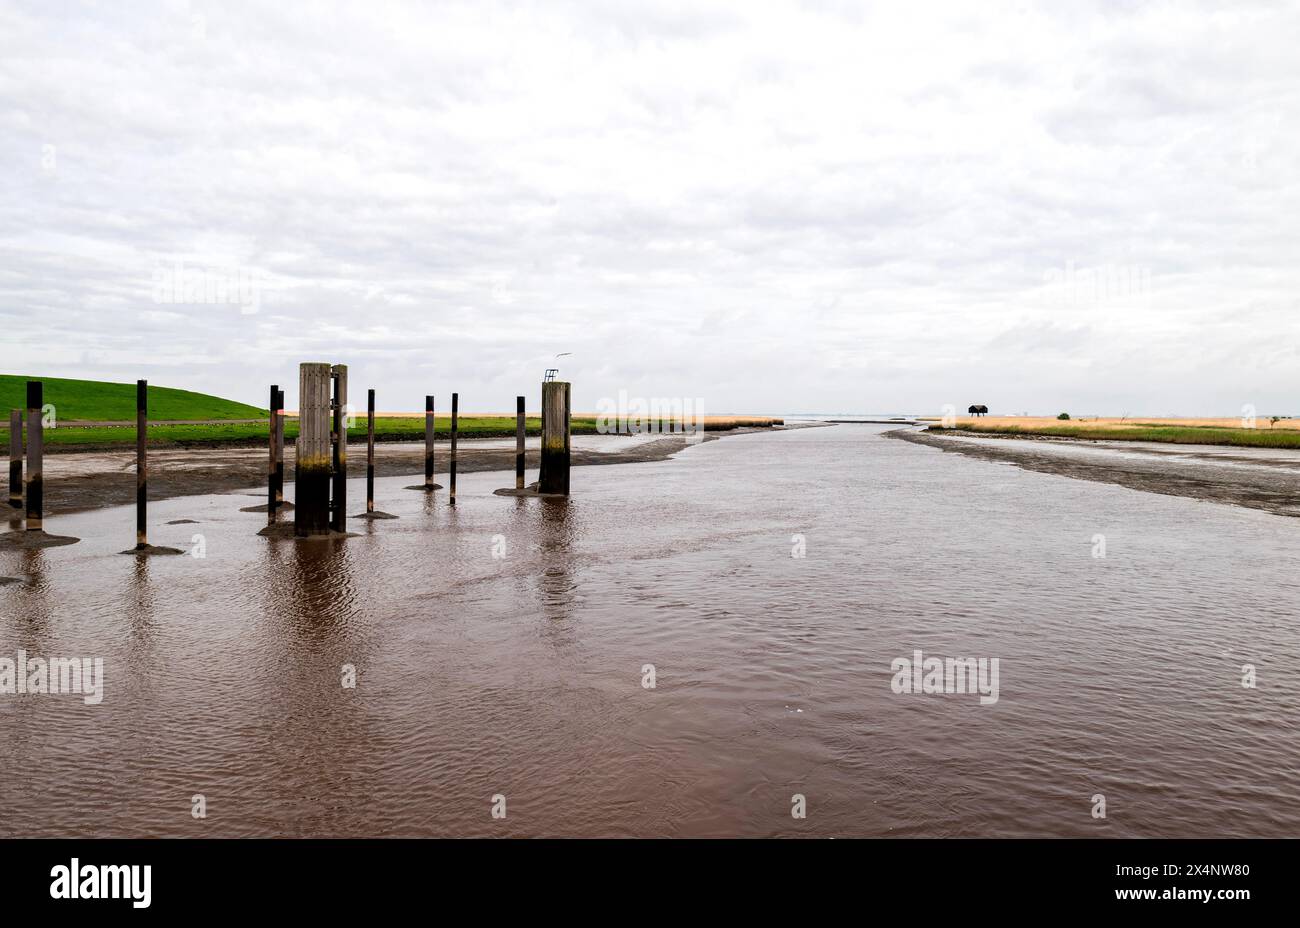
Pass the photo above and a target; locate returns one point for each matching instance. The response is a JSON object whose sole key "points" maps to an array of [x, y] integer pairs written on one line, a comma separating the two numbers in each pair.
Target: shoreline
{"points": [[89, 437], [1282, 434], [104, 478], [1227, 479]]}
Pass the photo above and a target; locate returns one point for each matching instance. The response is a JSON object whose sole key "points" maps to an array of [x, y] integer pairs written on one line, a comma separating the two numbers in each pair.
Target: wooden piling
{"points": [[278, 420], [35, 451], [271, 501], [312, 473], [455, 426], [141, 464], [519, 442], [428, 442], [370, 450], [554, 475], [340, 439], [16, 458]]}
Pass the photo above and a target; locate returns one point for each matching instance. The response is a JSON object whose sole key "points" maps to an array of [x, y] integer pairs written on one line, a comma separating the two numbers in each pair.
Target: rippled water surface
{"points": [[522, 675]]}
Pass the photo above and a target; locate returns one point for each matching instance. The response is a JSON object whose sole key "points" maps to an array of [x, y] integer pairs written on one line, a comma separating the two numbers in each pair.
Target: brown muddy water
{"points": [[521, 676]]}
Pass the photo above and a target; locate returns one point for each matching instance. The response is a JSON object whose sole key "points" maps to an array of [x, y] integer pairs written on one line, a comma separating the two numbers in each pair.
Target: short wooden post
{"points": [[35, 451], [16, 458], [278, 420], [370, 451], [455, 427], [554, 475], [141, 464], [312, 474], [340, 439], [428, 442], [519, 442], [270, 463]]}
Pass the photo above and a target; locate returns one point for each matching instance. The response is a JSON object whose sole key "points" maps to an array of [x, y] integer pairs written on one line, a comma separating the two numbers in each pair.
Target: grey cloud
{"points": [[773, 207]]}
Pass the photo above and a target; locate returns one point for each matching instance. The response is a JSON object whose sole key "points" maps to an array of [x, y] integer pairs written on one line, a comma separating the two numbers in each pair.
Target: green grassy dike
{"points": [[1176, 435], [254, 434], [97, 401]]}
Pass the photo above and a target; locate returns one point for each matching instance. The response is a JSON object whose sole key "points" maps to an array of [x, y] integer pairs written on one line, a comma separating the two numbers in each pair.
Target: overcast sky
{"points": [[772, 207]]}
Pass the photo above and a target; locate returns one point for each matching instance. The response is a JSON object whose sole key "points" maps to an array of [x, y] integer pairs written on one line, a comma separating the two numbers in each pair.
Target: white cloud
{"points": [[776, 207]]}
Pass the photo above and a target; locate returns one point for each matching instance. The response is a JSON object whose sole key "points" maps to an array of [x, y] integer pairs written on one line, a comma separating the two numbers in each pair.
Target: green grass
{"points": [[98, 401], [1169, 434], [255, 434]]}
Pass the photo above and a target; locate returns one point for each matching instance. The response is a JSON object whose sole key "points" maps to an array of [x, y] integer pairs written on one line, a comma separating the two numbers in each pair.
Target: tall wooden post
{"points": [[278, 419], [340, 440], [519, 442], [428, 442], [455, 427], [270, 464], [35, 451], [554, 475], [370, 450], [16, 458], [141, 463], [312, 473]]}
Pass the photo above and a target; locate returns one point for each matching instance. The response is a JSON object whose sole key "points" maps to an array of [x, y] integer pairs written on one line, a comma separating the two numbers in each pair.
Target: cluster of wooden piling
{"points": [[320, 475], [28, 493], [320, 450]]}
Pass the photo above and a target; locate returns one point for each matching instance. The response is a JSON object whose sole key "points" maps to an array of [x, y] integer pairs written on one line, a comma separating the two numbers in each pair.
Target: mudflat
{"points": [[97, 479], [1257, 478]]}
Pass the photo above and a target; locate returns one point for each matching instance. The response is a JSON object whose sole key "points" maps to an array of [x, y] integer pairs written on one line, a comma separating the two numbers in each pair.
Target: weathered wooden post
{"points": [[270, 465], [455, 428], [142, 546], [370, 450], [339, 373], [16, 458], [312, 474], [370, 512], [519, 442], [278, 420], [430, 435], [428, 442], [554, 475], [141, 464], [35, 451]]}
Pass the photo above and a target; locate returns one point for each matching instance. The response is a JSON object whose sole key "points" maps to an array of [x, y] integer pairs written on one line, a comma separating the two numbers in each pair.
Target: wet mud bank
{"points": [[81, 482], [1269, 481]]}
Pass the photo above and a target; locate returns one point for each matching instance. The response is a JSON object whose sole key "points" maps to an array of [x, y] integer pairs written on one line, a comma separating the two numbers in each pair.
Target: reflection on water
{"points": [[31, 608], [556, 584], [498, 647]]}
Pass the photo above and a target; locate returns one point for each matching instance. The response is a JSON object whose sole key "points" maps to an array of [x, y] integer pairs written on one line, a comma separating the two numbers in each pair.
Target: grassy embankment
{"points": [[255, 433], [98, 401], [1265, 435], [93, 401]]}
